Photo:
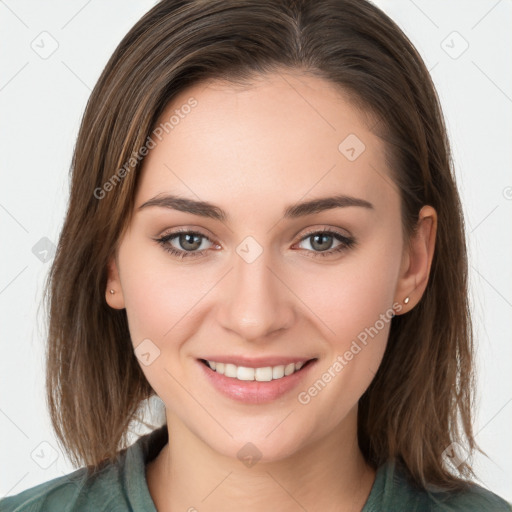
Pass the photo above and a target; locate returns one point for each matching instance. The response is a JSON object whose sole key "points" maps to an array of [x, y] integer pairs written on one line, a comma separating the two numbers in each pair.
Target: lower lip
{"points": [[252, 391]]}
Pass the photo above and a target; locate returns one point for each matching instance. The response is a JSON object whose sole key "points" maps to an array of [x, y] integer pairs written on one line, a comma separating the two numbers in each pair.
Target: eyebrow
{"points": [[206, 209]]}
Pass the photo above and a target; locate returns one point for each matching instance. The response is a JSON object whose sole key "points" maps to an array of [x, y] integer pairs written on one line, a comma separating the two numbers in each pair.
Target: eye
{"points": [[188, 242], [322, 242]]}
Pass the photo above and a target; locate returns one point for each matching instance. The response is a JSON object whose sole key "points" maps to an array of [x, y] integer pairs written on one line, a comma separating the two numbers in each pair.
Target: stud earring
{"points": [[406, 300], [112, 292]]}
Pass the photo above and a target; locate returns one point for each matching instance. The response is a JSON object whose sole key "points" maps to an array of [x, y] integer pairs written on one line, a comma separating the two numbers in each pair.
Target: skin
{"points": [[253, 151]]}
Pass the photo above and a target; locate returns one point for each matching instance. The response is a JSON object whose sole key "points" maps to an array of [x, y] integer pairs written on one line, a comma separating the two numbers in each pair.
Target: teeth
{"points": [[265, 374], [277, 372]]}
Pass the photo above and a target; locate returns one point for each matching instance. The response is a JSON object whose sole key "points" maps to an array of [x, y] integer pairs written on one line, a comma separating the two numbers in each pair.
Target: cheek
{"points": [[157, 293], [159, 301], [354, 303], [352, 294], [149, 316], [355, 348]]}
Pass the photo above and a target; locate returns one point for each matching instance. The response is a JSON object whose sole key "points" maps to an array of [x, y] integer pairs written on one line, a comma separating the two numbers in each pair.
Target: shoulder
{"points": [[394, 490], [75, 491], [473, 498], [114, 487]]}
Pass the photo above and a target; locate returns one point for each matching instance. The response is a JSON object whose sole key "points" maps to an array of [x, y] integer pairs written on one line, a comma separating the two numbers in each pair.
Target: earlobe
{"points": [[114, 293], [417, 260]]}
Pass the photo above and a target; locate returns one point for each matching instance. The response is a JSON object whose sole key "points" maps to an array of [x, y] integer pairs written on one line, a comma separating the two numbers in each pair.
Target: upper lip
{"points": [[257, 362]]}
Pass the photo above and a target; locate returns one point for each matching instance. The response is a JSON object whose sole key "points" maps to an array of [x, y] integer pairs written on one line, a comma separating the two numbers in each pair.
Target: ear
{"points": [[417, 260], [116, 299]]}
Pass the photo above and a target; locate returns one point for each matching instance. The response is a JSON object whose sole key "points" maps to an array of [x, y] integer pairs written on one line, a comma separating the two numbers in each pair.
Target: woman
{"points": [[263, 230]]}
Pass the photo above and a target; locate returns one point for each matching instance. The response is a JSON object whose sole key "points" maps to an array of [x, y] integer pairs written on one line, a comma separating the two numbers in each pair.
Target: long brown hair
{"points": [[420, 400]]}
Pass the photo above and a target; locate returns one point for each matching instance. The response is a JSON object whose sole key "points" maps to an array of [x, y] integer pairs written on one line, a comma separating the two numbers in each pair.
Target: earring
{"points": [[112, 292], [406, 300]]}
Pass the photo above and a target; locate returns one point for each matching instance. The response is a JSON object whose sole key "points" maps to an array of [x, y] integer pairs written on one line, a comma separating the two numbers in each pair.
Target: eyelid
{"points": [[308, 232], [177, 231], [326, 229], [167, 235], [346, 241]]}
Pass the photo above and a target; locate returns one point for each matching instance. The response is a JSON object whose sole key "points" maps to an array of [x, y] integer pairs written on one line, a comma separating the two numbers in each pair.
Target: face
{"points": [[260, 282]]}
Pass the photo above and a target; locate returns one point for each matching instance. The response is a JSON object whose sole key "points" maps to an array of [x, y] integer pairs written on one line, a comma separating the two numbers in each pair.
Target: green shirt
{"points": [[122, 486]]}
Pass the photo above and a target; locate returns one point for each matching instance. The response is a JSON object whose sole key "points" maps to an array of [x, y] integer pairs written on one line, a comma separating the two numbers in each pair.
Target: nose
{"points": [[256, 302]]}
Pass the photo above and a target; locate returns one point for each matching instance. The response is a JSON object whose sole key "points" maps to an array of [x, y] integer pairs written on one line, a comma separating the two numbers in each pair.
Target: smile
{"points": [[260, 385], [264, 374]]}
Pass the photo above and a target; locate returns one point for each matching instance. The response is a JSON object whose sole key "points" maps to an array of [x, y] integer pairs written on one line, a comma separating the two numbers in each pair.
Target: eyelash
{"points": [[346, 243]]}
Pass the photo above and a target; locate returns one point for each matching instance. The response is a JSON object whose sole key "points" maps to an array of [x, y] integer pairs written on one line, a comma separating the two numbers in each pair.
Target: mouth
{"points": [[261, 374], [256, 386]]}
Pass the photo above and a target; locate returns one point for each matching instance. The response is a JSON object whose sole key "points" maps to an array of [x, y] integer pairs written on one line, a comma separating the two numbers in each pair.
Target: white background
{"points": [[42, 101]]}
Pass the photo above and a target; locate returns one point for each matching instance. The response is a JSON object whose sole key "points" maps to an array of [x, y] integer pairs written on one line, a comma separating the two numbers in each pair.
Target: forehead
{"points": [[280, 138]]}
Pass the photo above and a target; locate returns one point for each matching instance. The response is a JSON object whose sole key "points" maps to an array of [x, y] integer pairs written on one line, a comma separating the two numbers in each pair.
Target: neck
{"points": [[328, 474]]}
